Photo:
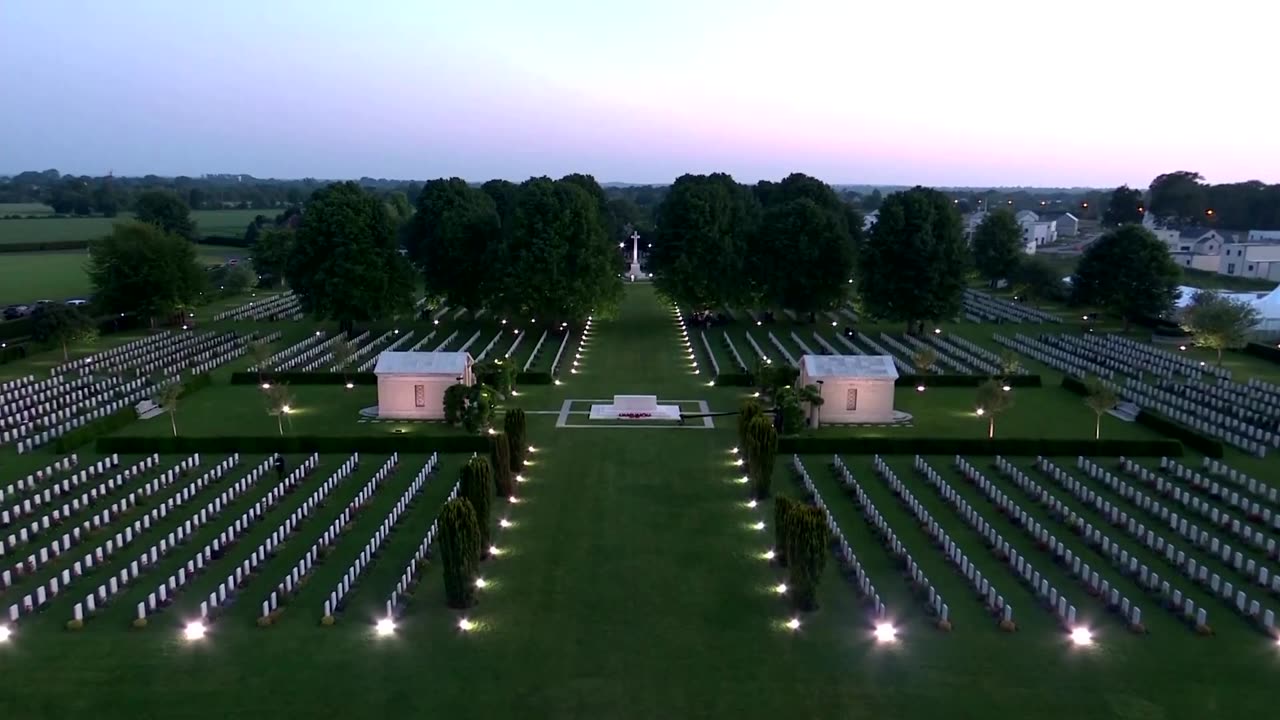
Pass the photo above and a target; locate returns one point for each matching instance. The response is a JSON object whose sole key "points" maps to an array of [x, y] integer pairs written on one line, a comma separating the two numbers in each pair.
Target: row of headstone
{"points": [[945, 361], [62, 465], [844, 551], [422, 342], [105, 358], [294, 349], [1257, 572], [30, 395], [536, 347], [733, 351], [445, 343], [33, 504], [1089, 350], [210, 350], [1094, 581], [520, 335], [979, 307], [11, 385], [1255, 512], [218, 546], [293, 579], [213, 360], [827, 348], [360, 348], [283, 306], [564, 342], [99, 556], [1159, 360], [1256, 388], [706, 345], [1233, 400], [983, 588], [880, 526], [400, 341], [969, 352], [791, 359], [1257, 488], [314, 355], [900, 358], [420, 556], [470, 341], [800, 344], [369, 553], [1246, 434], [1056, 358], [41, 557], [760, 353], [40, 401]]}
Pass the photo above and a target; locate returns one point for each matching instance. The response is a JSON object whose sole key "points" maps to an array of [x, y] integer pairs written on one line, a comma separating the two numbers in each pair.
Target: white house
{"points": [[854, 388], [1251, 260], [411, 385], [869, 220], [1199, 240], [1026, 216], [1068, 225]]}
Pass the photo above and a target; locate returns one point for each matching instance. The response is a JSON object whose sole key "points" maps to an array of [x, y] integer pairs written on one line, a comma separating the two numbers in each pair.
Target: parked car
{"points": [[13, 312], [43, 302], [233, 261], [77, 302]]}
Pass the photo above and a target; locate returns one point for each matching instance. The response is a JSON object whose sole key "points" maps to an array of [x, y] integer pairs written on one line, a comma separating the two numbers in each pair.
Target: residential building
{"points": [[1264, 236], [1035, 231], [1251, 260], [1068, 225], [869, 220], [1023, 216], [1200, 241]]}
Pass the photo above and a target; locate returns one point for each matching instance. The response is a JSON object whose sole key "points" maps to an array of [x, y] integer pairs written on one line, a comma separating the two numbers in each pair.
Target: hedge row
{"points": [[944, 381], [534, 378], [14, 351], [1161, 424], [294, 444], [735, 380], [98, 428], [47, 245], [305, 378], [1266, 352], [856, 445]]}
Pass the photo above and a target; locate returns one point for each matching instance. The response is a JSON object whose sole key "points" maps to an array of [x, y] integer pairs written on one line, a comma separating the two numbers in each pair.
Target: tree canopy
{"points": [[1179, 196], [997, 245], [1218, 323], [454, 239], [166, 211], [912, 264], [1128, 272], [703, 226], [60, 325], [1038, 281], [141, 268], [271, 254], [1124, 207], [345, 264]]}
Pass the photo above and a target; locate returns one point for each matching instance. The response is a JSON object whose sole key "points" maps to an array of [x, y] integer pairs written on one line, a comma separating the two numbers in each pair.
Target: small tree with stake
{"points": [[167, 398], [994, 397], [513, 425], [924, 359], [500, 452], [1101, 399], [477, 488], [260, 354], [1218, 323], [342, 353], [62, 325], [459, 552], [279, 403], [762, 448], [807, 555]]}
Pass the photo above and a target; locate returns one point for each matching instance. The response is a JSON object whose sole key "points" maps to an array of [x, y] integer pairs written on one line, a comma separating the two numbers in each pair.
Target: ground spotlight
{"points": [[385, 627], [194, 631], [1081, 636], [885, 632]]}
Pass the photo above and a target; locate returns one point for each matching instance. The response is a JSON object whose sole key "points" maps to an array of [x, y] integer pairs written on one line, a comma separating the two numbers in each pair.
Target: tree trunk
{"points": [[66, 357], [1219, 357], [279, 424], [1126, 323], [173, 422], [991, 429], [1097, 428]]}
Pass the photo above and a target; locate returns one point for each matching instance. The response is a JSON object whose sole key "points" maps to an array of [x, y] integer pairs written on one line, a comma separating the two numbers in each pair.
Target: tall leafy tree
{"points": [[504, 194], [345, 263], [1124, 207], [61, 325], [703, 228], [165, 210], [997, 246], [613, 227], [559, 263], [140, 268], [454, 239], [1218, 323], [911, 266], [1127, 272], [1038, 281], [803, 256], [1179, 196], [271, 253]]}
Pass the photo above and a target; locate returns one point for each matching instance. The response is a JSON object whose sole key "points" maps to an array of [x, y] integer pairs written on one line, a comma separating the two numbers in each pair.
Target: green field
{"points": [[24, 209], [27, 277], [208, 222], [631, 583]]}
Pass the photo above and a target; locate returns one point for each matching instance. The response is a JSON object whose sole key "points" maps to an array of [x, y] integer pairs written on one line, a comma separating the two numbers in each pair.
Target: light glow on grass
{"points": [[481, 582], [495, 551], [194, 630], [758, 526], [385, 627], [466, 625], [768, 555], [504, 523], [5, 633], [885, 633], [751, 504], [1081, 637], [780, 588], [743, 480], [793, 624]]}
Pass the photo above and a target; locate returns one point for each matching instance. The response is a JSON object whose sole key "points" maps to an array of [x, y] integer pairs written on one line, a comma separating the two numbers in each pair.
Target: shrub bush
{"points": [[500, 452], [459, 552], [477, 488], [1049, 447], [514, 426], [807, 551], [735, 380], [783, 507], [762, 450], [294, 444], [534, 378], [455, 401], [1266, 352], [750, 411]]}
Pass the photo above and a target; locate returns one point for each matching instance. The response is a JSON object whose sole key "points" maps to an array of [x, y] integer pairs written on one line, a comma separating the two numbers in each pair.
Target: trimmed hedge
{"points": [[1266, 352], [14, 351], [406, 443], [534, 378], [978, 446], [735, 380], [945, 381], [305, 378], [47, 245], [1161, 424], [90, 431]]}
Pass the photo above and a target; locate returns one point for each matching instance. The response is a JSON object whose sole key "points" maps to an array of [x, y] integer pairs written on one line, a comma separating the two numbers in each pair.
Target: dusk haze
{"points": [[985, 93]]}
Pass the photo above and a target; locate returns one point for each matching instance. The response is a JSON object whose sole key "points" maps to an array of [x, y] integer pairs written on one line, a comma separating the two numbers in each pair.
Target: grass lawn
{"points": [[630, 585], [24, 209], [208, 222], [27, 277]]}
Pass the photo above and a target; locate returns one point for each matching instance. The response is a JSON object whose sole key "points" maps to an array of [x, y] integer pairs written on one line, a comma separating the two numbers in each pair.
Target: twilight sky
{"points": [[986, 92]]}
